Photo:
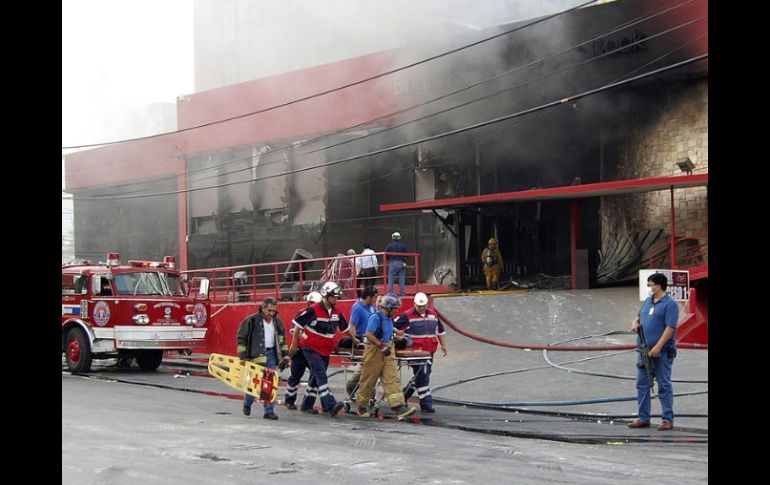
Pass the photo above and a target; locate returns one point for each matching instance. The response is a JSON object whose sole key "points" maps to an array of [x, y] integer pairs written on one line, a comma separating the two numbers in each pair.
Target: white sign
{"points": [[678, 283]]}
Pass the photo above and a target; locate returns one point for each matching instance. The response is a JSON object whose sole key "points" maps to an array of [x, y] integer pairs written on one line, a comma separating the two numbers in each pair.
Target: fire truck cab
{"points": [[139, 309]]}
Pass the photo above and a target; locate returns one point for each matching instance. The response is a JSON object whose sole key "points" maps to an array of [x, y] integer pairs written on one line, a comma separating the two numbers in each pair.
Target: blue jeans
{"points": [[272, 361], [397, 268], [661, 369], [318, 381]]}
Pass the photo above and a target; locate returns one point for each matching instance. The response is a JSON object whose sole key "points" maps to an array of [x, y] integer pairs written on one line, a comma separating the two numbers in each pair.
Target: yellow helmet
{"points": [[492, 242]]}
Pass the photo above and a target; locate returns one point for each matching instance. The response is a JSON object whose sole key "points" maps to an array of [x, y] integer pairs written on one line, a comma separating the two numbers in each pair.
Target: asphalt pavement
{"points": [[564, 419]]}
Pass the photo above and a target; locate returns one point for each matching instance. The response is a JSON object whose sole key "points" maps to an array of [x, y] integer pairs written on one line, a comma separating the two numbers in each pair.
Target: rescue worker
{"points": [[396, 263], [299, 364], [314, 331], [426, 331], [380, 361], [261, 340], [493, 263]]}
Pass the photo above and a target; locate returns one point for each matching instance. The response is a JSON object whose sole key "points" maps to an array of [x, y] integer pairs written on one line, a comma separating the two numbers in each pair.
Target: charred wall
{"points": [[143, 228], [329, 210], [263, 215]]}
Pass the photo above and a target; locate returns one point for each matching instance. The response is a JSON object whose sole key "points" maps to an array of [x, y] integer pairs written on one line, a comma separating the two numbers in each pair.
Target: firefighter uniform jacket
{"points": [[491, 258], [319, 327], [423, 330], [251, 339]]}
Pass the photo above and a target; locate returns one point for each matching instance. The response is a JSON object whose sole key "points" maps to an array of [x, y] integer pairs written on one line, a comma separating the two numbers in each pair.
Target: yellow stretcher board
{"points": [[247, 377]]}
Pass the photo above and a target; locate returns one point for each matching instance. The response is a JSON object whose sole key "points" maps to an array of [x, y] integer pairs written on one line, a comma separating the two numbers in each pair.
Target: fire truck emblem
{"points": [[167, 311], [201, 314], [101, 313]]}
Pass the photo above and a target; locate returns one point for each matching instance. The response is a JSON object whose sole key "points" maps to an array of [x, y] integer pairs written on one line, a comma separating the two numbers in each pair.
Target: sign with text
{"points": [[678, 283]]}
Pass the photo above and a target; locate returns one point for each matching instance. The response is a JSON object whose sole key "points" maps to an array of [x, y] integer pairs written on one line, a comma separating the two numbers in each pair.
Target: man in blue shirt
{"points": [[380, 361], [657, 318], [362, 310], [359, 318], [396, 264]]}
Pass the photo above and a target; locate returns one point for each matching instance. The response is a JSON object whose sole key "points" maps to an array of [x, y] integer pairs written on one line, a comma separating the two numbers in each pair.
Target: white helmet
{"points": [[313, 297], [330, 288], [396, 236], [420, 299]]}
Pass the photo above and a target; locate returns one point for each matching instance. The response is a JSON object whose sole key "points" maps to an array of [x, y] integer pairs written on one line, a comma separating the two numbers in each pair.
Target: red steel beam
{"points": [[673, 231], [182, 222], [574, 229], [619, 187]]}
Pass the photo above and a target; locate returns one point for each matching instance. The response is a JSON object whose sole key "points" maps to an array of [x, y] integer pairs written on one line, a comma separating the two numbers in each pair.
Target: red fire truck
{"points": [[135, 310]]}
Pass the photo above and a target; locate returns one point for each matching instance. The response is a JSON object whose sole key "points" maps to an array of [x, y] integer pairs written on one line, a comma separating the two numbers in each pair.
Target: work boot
{"points": [[638, 423], [247, 410], [364, 413], [291, 406], [270, 416], [665, 426], [404, 411], [336, 409]]}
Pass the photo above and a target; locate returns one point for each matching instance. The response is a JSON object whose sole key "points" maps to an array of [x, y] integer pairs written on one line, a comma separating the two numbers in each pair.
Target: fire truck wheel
{"points": [[78, 352], [149, 360]]}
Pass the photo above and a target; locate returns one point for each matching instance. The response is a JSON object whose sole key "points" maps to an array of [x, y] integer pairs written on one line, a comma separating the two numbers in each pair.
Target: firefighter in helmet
{"points": [[493, 264]]}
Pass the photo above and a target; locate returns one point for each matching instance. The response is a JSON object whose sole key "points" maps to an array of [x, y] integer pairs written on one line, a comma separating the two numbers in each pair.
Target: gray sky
{"points": [[118, 57]]}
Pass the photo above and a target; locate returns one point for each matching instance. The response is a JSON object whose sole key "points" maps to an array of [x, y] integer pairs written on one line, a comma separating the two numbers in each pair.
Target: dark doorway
{"points": [[533, 238]]}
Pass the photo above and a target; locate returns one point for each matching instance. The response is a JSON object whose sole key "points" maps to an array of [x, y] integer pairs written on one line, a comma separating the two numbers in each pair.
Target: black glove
{"points": [[385, 350]]}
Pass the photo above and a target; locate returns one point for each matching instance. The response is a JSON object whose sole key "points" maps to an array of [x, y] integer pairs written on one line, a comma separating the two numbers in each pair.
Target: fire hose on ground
{"points": [[514, 406]]}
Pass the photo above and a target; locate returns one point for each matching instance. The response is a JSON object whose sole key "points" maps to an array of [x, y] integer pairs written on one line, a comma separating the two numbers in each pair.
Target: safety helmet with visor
{"points": [[390, 302], [330, 288]]}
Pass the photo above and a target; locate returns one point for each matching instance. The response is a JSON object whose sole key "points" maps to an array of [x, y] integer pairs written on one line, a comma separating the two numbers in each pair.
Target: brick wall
{"points": [[663, 126]]}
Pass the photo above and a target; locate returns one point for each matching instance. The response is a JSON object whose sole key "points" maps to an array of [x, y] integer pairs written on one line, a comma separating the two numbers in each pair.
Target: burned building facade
{"points": [[497, 117]]}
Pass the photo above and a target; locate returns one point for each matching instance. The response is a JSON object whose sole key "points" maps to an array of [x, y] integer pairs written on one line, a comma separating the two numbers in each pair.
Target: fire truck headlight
{"points": [[190, 319], [141, 319]]}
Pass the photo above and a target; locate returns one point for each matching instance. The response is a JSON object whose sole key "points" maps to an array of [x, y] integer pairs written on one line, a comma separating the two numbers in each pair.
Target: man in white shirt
{"points": [[366, 267]]}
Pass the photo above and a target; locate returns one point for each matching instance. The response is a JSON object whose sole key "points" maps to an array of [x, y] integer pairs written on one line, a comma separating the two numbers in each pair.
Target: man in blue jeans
{"points": [[396, 264], [657, 318], [261, 338]]}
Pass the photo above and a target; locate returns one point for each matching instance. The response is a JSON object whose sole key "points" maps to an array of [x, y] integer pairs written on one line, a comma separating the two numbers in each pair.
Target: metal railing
{"points": [[293, 280], [688, 251]]}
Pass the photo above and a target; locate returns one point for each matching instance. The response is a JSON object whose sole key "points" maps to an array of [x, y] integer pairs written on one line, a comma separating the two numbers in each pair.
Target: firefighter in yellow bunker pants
{"points": [[493, 263], [380, 362]]}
